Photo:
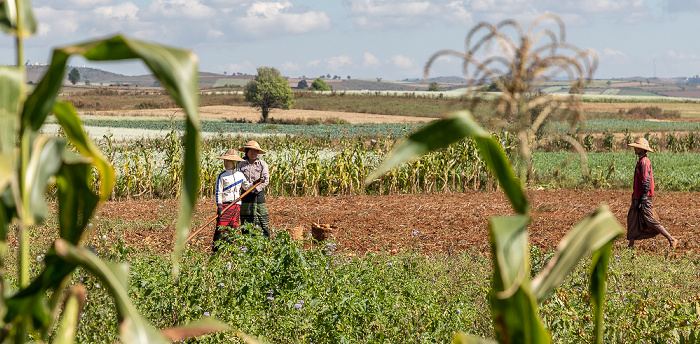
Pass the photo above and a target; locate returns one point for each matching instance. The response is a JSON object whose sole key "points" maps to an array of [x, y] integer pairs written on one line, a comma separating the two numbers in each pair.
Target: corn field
{"points": [[318, 166], [149, 168]]}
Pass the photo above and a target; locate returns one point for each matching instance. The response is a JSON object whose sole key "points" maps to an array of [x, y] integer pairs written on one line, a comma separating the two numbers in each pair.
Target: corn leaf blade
{"points": [[513, 307], [463, 338], [198, 328], [589, 235], [176, 70], [45, 161], [70, 122], [133, 328], [10, 15]]}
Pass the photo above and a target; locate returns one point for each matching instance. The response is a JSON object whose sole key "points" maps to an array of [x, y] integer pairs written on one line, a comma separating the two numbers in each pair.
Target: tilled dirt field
{"points": [[428, 223]]}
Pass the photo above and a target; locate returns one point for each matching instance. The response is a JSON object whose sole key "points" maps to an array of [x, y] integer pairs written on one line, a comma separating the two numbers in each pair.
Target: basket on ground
{"points": [[322, 232], [296, 232]]}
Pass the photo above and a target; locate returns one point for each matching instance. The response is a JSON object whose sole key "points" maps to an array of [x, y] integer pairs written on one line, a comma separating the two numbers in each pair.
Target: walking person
{"points": [[228, 188], [254, 208], [642, 223]]}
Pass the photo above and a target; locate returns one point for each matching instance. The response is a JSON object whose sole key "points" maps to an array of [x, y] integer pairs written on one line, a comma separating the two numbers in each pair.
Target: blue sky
{"points": [[390, 39]]}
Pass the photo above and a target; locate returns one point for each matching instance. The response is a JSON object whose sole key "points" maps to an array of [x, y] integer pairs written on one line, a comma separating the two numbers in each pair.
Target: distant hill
{"points": [[94, 76], [635, 86]]}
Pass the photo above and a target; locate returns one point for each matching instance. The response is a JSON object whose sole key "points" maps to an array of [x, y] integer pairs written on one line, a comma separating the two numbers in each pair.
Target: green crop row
{"points": [[307, 166], [673, 172], [634, 125]]}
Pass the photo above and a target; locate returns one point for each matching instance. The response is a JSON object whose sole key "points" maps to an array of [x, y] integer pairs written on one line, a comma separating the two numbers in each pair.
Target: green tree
{"points": [[74, 76], [302, 85], [434, 87], [320, 85], [269, 90]]}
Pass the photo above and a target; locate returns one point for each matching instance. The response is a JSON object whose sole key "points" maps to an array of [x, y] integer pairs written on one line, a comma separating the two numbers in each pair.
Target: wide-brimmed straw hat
{"points": [[252, 145], [641, 143], [232, 155]]}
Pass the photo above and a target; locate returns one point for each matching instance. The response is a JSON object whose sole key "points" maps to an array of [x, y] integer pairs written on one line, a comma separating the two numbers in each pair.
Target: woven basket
{"points": [[296, 232], [321, 232]]}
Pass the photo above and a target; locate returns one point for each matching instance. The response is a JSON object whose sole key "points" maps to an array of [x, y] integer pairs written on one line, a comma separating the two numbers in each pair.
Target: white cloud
{"points": [[380, 14], [336, 62], [402, 61], [313, 63], [52, 22], [181, 9], [275, 18], [245, 67], [126, 10], [681, 56], [73, 4], [369, 60], [214, 33], [290, 66], [613, 56]]}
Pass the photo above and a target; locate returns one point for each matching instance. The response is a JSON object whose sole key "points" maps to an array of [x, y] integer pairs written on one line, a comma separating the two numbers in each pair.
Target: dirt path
{"points": [[226, 112], [427, 223]]}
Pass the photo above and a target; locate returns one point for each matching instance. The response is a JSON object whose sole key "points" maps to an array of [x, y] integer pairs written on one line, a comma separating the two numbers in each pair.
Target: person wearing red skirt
{"points": [[228, 189]]}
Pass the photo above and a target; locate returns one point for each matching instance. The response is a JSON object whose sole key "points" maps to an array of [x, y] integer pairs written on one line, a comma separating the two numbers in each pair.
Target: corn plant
{"points": [[514, 296], [515, 66], [43, 308]]}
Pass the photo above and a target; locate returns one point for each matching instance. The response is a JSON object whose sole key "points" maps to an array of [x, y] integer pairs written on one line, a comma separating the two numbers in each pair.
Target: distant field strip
{"points": [[161, 128], [680, 172], [619, 125]]}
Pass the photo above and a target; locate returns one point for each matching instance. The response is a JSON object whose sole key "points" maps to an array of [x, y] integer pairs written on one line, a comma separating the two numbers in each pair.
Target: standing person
{"points": [[254, 208], [641, 221], [228, 189]]}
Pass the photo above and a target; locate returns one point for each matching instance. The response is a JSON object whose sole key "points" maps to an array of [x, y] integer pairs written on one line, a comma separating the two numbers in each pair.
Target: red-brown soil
{"points": [[445, 223]]}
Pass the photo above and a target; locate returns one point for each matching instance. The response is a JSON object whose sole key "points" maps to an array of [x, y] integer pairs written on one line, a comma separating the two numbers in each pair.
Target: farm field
{"points": [[426, 223]]}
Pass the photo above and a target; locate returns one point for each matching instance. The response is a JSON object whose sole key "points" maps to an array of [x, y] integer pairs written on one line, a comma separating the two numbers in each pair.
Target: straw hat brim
{"points": [[231, 157], [260, 151], [646, 148]]}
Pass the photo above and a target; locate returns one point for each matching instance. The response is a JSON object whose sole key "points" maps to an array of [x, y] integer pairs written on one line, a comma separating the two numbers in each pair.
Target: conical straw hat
{"points": [[641, 143], [252, 145], [231, 154]]}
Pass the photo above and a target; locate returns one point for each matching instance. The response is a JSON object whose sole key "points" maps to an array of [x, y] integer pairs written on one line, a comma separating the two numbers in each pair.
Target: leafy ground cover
{"points": [[421, 262]]}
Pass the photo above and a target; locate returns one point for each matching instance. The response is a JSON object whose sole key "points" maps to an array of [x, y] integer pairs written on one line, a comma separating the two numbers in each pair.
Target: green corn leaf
{"points": [[12, 11], [76, 200], [68, 326], [44, 162], [133, 328], [31, 301], [10, 79], [176, 70], [70, 122], [442, 133], [463, 338], [589, 235], [513, 307], [599, 277], [198, 328]]}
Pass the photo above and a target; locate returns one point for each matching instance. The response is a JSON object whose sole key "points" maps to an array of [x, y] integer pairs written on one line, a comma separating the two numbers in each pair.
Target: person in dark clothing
{"points": [[642, 221], [254, 207]]}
